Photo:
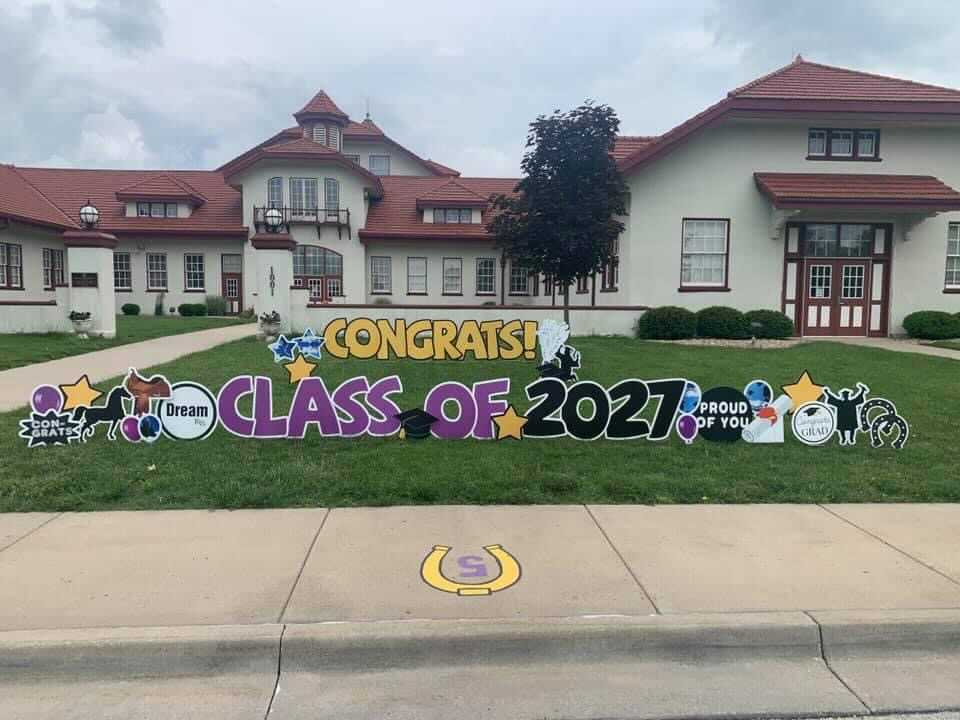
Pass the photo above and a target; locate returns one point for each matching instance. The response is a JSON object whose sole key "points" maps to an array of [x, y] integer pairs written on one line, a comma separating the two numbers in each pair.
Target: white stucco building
{"points": [[822, 192]]}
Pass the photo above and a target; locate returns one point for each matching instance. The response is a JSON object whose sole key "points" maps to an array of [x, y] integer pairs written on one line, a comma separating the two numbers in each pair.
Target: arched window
{"points": [[319, 269], [275, 192]]}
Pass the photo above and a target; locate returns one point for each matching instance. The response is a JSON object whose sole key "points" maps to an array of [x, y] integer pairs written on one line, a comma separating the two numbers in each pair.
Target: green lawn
{"points": [[951, 344], [224, 471], [27, 348]]}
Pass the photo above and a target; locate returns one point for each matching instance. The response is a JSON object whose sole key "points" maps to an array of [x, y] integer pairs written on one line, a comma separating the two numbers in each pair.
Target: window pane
{"points": [[852, 282], [380, 164], [855, 241], [866, 144], [519, 280], [416, 275], [275, 192], [452, 275], [953, 272], [485, 275], [332, 193], [841, 142], [194, 272], [466, 215], [380, 274], [821, 276], [817, 142], [156, 209], [121, 271], [171, 210], [156, 271], [143, 209], [820, 240]]}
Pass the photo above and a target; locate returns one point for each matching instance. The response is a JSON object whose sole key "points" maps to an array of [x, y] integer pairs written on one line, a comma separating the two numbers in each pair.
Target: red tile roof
{"points": [[441, 169], [808, 87], [396, 215], [802, 79], [70, 189], [162, 186], [626, 145], [451, 194], [20, 200], [320, 104], [794, 190], [361, 130]]}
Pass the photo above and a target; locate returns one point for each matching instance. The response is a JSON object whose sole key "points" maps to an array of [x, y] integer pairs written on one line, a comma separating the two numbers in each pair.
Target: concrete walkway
{"points": [[17, 384], [569, 611], [894, 344]]}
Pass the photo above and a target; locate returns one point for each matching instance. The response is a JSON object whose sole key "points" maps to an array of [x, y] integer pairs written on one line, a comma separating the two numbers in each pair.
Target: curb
{"points": [[347, 647]]}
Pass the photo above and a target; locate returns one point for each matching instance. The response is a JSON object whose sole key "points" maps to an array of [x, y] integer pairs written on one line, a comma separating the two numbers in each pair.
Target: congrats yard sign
{"points": [[561, 401]]}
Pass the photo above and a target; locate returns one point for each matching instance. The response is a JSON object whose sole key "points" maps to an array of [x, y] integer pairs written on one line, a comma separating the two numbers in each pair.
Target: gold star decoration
{"points": [[299, 369], [510, 424], [803, 390], [80, 394]]}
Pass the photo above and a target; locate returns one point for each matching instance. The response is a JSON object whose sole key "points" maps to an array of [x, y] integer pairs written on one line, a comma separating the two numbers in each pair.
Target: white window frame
{"points": [[853, 143], [119, 271], [381, 275], [54, 273], [320, 133], [370, 164], [452, 276], [516, 272], [11, 266], [331, 194], [861, 134], [151, 257], [952, 274], [690, 225], [482, 276], [414, 275], [275, 192], [825, 135], [301, 202], [190, 283]]}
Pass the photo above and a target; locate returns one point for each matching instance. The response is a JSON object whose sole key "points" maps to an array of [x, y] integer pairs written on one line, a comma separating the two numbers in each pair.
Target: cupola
{"points": [[322, 121]]}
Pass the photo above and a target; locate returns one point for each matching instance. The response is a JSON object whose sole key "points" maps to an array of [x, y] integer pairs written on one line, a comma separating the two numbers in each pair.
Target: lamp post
{"points": [[273, 219], [89, 215]]}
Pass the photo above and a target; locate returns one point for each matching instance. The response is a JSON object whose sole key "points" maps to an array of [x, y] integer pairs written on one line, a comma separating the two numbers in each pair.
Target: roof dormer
{"points": [[322, 121], [160, 195]]}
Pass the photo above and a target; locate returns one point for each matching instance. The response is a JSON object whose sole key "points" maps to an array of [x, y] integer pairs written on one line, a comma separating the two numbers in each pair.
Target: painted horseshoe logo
{"points": [[434, 577]]}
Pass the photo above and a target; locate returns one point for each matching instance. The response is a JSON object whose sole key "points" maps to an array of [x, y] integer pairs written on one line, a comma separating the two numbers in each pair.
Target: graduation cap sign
{"points": [[415, 424]]}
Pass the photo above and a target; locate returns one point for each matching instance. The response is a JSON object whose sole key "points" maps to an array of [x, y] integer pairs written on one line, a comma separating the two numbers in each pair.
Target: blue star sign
{"points": [[283, 349], [309, 344]]}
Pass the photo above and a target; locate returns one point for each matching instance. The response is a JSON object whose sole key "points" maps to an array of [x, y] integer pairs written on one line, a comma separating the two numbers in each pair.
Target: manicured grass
{"points": [[951, 344], [27, 348], [228, 472]]}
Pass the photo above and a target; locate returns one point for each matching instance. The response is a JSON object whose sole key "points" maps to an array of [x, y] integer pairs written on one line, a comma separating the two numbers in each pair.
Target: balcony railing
{"points": [[314, 216]]}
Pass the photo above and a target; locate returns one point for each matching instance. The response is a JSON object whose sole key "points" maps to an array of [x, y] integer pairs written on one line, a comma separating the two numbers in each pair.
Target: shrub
{"points": [[718, 321], [192, 309], [667, 323], [932, 325], [130, 309], [248, 314], [769, 324], [381, 301], [216, 305]]}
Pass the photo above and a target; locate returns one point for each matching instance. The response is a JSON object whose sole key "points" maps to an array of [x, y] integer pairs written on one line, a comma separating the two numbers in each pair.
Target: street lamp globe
{"points": [[273, 218], [89, 215]]}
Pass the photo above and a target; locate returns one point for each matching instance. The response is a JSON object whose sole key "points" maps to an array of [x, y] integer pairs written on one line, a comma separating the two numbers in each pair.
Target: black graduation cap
{"points": [[415, 424]]}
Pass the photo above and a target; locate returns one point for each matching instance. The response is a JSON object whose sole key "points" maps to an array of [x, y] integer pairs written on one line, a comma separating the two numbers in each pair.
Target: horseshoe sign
{"points": [[433, 576]]}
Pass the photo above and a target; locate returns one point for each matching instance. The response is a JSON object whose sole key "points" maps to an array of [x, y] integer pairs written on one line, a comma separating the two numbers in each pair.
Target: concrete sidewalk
{"points": [[17, 384], [894, 344], [616, 611]]}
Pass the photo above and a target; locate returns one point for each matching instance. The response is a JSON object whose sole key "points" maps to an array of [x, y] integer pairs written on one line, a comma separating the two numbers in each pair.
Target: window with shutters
{"points": [[122, 277], [303, 195], [275, 192], [452, 276], [53, 274], [486, 276], [320, 134], [416, 276], [333, 137]]}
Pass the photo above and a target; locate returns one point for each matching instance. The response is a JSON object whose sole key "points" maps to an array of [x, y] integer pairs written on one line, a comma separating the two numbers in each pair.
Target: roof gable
{"points": [[451, 194]]}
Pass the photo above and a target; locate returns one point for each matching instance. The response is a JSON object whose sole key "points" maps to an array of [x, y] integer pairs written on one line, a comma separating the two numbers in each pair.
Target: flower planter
{"points": [[270, 331], [82, 327]]}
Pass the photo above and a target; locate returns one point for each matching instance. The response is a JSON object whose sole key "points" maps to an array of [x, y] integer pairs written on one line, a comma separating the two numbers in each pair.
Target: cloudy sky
{"points": [[190, 84]]}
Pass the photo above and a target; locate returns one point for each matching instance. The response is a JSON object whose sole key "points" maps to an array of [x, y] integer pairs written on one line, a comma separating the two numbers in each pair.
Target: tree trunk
{"points": [[566, 303]]}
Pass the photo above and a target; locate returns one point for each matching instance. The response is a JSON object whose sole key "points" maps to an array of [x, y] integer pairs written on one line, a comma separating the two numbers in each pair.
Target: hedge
{"points": [[932, 325], [192, 309], [667, 323], [722, 322], [216, 305], [769, 324], [130, 309]]}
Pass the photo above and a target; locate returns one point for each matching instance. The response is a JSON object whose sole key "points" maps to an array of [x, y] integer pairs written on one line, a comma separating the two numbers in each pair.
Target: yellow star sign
{"points": [[803, 390], [510, 425], [80, 394], [299, 369]]}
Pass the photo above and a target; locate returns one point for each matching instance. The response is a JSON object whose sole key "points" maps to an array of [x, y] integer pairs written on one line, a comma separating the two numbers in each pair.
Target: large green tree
{"points": [[561, 220]]}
